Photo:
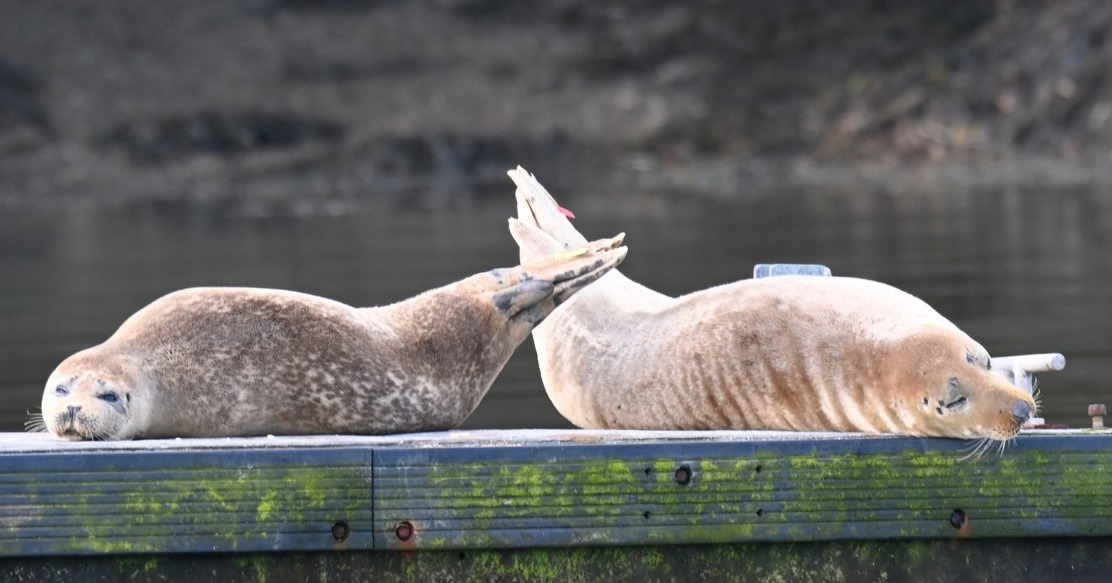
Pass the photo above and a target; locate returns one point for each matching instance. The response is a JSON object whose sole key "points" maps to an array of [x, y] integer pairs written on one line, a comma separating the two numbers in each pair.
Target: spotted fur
{"points": [[244, 361]]}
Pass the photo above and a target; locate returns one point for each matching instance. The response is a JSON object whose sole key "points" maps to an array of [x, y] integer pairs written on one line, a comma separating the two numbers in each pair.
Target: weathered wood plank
{"points": [[527, 489], [86, 502], [752, 491]]}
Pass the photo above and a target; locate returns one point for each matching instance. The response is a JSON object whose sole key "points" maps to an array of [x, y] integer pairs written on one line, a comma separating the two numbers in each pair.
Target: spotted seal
{"points": [[211, 362]]}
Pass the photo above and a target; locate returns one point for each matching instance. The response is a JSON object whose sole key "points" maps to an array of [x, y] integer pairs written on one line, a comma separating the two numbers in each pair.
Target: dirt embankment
{"points": [[297, 106]]}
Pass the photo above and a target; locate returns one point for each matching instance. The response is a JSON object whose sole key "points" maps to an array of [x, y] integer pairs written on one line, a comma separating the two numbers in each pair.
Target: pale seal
{"points": [[211, 362], [783, 353]]}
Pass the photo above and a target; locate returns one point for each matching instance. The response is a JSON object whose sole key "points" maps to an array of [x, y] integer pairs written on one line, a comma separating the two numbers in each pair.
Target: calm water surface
{"points": [[1020, 272]]}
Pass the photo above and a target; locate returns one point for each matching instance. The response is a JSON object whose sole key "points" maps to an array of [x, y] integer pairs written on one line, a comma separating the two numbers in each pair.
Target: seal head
{"points": [[96, 403]]}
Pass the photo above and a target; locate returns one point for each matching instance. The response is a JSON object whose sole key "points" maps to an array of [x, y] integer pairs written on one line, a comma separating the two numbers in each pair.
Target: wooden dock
{"points": [[540, 505]]}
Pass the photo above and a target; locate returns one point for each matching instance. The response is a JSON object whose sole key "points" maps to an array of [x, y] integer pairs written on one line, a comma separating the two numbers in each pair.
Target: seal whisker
{"points": [[977, 449], [984, 445], [991, 445], [969, 449], [36, 424], [97, 433]]}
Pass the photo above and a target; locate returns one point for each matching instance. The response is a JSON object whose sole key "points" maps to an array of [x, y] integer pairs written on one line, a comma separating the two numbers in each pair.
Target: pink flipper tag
{"points": [[565, 212]]}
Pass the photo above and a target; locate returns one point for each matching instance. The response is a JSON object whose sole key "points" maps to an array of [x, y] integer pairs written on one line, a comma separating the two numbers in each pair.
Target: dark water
{"points": [[1020, 272]]}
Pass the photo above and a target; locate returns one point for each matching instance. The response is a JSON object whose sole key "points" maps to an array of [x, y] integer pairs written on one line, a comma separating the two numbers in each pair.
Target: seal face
{"points": [[786, 353], [218, 362]]}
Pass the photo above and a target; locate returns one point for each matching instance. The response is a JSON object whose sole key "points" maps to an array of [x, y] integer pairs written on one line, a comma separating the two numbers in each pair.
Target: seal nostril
{"points": [[1021, 411]]}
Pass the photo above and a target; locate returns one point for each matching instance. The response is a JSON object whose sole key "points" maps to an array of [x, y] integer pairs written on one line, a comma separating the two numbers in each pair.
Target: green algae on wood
{"points": [[204, 501], [535, 495], [740, 492]]}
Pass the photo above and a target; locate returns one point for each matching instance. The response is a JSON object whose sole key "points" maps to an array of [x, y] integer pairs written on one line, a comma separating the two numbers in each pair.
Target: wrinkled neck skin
{"points": [[142, 411], [598, 321]]}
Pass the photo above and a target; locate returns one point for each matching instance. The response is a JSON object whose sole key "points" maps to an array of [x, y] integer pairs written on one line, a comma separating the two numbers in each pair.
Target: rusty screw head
{"points": [[404, 531], [683, 475], [1097, 412], [958, 519], [340, 531]]}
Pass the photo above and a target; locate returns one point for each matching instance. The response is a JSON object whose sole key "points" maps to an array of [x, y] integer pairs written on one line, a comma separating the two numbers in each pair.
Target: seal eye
{"points": [[61, 391], [957, 404], [109, 397], [956, 398]]}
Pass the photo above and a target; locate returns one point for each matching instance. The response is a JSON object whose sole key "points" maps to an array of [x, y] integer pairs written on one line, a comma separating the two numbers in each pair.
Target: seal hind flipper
{"points": [[522, 296], [537, 207], [571, 270], [522, 291], [532, 241]]}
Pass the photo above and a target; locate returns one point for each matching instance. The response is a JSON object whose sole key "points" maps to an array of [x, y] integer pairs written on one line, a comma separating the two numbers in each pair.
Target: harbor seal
{"points": [[782, 353], [214, 362]]}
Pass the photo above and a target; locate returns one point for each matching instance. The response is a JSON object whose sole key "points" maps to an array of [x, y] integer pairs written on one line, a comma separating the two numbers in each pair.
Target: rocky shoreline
{"points": [[289, 106]]}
